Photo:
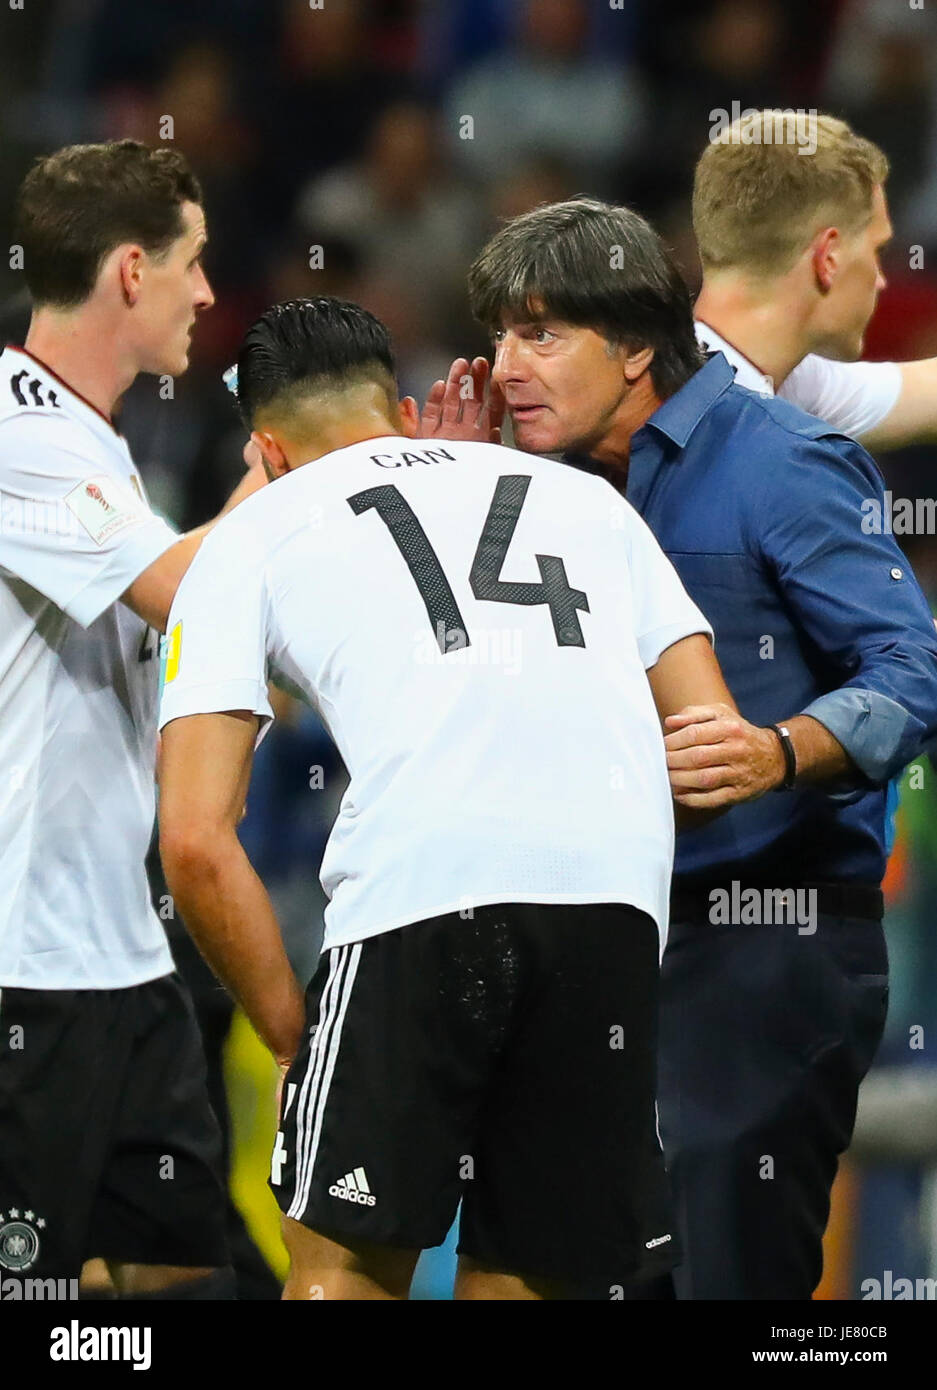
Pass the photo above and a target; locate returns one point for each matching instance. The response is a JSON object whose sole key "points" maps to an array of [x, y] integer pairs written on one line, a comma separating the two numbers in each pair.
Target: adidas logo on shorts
{"points": [[353, 1187]]}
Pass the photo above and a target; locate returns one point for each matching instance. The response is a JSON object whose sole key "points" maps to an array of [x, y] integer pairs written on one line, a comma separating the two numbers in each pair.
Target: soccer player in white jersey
{"points": [[493, 640], [790, 217], [108, 1146]]}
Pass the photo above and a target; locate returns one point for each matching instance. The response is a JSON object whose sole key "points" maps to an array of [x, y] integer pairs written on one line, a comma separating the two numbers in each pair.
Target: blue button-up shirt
{"points": [[760, 508]]}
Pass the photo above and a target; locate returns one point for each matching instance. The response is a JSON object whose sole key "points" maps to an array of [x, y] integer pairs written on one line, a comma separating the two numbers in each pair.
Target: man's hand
{"points": [[467, 405], [716, 758]]}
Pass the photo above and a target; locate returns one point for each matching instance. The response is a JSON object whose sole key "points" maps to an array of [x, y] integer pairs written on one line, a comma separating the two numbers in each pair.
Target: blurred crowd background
{"points": [[366, 148]]}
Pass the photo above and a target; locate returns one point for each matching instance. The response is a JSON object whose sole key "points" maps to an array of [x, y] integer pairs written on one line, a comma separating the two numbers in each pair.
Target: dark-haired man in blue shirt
{"points": [[775, 977]]}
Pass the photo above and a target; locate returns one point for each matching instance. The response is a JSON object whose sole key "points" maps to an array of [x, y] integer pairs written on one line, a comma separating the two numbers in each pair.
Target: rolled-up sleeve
{"points": [[879, 735], [826, 532]]}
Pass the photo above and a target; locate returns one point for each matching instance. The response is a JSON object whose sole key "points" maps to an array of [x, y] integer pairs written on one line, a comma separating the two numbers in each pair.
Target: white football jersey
{"points": [[78, 693], [853, 397], [474, 626]]}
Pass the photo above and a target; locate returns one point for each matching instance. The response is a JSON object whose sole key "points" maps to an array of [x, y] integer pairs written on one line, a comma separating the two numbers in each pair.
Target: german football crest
{"points": [[19, 1239]]}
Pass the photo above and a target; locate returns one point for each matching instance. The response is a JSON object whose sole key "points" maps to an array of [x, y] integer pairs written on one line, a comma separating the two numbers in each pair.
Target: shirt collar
{"points": [[678, 417], [82, 400], [746, 373]]}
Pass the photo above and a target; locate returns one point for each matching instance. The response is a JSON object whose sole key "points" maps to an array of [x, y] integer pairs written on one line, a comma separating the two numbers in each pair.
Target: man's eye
{"points": [[542, 335], [498, 335]]}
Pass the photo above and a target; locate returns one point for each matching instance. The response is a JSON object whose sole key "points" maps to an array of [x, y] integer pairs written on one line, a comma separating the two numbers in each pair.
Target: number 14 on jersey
{"points": [[554, 590]]}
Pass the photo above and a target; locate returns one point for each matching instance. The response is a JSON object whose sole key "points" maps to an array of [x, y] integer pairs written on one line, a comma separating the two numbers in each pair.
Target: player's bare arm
{"points": [[913, 417], [152, 592], [684, 672], [205, 771]]}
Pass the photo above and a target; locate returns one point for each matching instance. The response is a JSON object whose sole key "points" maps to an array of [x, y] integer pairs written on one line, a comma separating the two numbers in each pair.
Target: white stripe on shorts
{"points": [[343, 966], [328, 998]]}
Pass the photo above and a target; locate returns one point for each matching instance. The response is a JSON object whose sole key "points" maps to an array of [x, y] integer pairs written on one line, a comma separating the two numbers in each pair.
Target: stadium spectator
{"points": [[548, 96], [881, 77], [316, 105], [709, 57], [412, 223]]}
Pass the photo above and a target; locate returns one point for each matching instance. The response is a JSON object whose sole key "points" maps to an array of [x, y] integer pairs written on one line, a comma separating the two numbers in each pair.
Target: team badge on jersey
{"points": [[171, 651], [104, 507], [19, 1241]]}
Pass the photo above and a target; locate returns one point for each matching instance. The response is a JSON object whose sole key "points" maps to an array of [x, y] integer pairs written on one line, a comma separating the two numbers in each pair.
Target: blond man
{"points": [[790, 216]]}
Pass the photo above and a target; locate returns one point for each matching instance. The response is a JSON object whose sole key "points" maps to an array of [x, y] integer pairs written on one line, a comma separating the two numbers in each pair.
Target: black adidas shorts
{"points": [[507, 1060], [108, 1145]]}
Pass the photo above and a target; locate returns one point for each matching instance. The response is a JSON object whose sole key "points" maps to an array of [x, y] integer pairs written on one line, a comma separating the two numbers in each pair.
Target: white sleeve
{"points": [[853, 397], [662, 610], [68, 526], [219, 624]]}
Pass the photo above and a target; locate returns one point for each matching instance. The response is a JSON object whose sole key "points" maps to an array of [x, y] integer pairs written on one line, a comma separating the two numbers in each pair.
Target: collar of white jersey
{"points": [[39, 371], [746, 373]]}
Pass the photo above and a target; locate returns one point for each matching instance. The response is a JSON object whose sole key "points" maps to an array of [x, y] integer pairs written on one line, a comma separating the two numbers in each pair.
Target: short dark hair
{"points": [[76, 205], [597, 266], [303, 346]]}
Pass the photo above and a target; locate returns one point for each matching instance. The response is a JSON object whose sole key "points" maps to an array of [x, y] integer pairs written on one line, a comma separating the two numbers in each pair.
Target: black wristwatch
{"points": [[790, 757]]}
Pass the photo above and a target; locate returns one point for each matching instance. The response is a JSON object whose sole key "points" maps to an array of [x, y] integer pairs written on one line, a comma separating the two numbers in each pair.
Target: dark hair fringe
{"points": [[595, 265]]}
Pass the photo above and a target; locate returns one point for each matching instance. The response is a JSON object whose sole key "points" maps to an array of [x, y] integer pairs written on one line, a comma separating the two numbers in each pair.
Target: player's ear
{"points": [[130, 267], [275, 461], [825, 257], [409, 418]]}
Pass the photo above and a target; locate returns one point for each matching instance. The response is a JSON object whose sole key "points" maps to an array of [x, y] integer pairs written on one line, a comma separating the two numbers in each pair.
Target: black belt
{"points": [[863, 900]]}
